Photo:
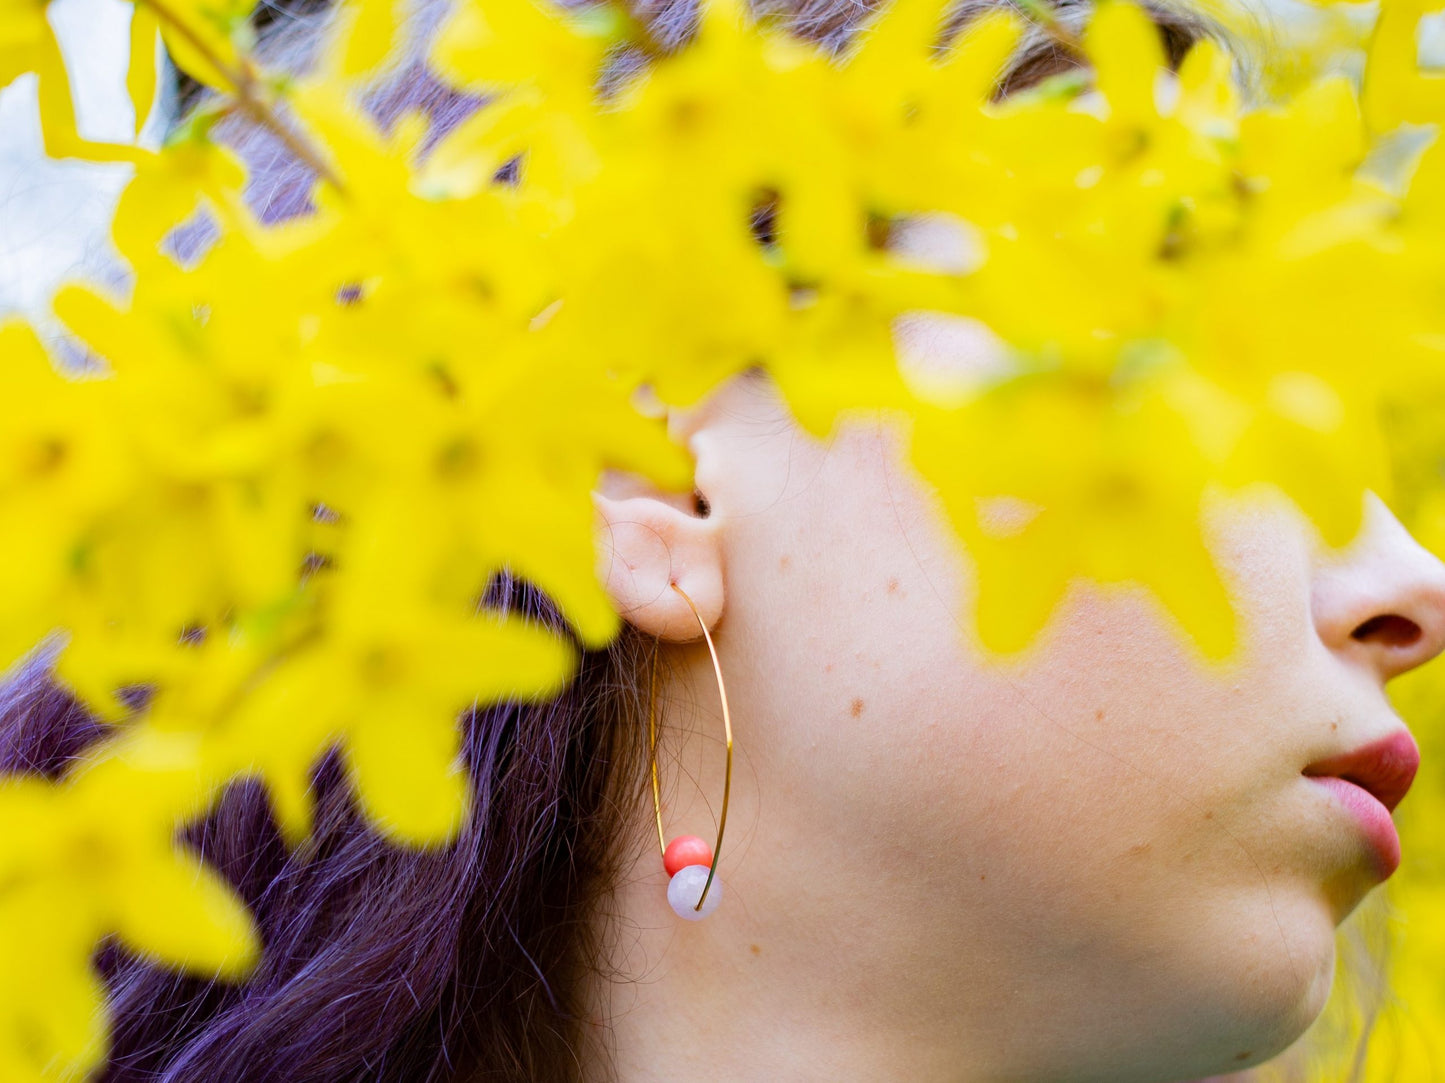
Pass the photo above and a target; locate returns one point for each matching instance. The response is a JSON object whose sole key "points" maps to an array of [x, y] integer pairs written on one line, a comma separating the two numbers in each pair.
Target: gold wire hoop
{"points": [[722, 820]]}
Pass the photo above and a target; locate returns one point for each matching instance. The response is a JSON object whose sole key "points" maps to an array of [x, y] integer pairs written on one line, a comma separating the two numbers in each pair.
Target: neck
{"points": [[734, 997]]}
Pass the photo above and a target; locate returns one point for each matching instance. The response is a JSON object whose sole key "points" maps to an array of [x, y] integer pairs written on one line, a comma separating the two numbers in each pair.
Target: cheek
{"points": [[1089, 816], [1079, 824], [1095, 860]]}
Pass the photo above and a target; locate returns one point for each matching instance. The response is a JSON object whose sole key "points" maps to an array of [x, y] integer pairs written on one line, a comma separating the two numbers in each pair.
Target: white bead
{"points": [[684, 889]]}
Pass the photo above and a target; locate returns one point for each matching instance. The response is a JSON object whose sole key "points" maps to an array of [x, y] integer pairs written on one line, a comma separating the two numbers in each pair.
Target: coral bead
{"points": [[686, 850], [685, 889]]}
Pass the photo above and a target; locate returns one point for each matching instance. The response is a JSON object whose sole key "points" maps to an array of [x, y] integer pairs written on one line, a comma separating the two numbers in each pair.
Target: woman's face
{"points": [[1100, 860]]}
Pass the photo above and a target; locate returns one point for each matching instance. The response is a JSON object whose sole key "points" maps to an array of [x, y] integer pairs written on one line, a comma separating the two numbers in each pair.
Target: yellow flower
{"points": [[97, 857], [62, 467], [191, 171], [510, 43], [1053, 480], [390, 673], [27, 44]]}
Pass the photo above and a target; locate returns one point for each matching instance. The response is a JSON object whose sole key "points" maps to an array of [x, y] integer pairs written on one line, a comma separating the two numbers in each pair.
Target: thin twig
{"points": [[245, 90]]}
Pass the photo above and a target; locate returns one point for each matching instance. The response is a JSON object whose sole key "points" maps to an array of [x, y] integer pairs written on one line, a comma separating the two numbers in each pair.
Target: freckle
{"points": [[892, 586], [1277, 870], [1334, 727], [1209, 815], [855, 708], [755, 949], [1139, 848], [828, 668], [785, 563], [983, 876], [1245, 1055], [1099, 715]]}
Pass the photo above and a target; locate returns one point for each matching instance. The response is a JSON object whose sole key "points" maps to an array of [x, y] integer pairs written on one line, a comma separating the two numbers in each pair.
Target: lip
{"points": [[1373, 819], [1369, 783]]}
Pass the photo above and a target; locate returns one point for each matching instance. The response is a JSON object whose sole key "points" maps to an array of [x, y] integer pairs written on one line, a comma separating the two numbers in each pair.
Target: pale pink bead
{"points": [[685, 888]]}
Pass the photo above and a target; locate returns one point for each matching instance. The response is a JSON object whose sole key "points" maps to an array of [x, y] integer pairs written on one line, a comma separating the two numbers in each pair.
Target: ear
{"points": [[649, 540]]}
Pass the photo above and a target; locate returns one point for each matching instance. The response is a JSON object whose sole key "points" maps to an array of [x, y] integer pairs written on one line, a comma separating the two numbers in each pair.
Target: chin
{"points": [[1262, 999], [1244, 980]]}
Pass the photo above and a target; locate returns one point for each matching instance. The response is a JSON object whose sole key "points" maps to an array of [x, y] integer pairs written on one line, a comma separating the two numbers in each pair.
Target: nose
{"points": [[1381, 602]]}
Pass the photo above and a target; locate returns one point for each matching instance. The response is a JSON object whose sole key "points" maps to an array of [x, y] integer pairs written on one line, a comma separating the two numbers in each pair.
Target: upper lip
{"points": [[1384, 768]]}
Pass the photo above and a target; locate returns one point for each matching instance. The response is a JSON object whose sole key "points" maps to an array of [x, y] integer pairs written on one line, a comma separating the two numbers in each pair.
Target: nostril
{"points": [[1389, 630]]}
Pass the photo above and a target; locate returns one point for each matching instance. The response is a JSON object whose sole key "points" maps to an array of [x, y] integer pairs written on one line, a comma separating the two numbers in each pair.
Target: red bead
{"points": [[686, 850]]}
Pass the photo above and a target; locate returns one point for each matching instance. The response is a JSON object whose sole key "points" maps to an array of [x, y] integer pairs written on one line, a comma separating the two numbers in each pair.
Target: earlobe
{"points": [[646, 543]]}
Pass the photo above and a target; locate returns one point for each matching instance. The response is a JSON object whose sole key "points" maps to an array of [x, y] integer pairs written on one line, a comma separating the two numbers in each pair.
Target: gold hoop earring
{"points": [[692, 890]]}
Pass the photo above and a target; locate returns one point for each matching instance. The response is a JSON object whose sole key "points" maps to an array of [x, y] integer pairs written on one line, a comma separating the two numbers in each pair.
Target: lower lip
{"points": [[1373, 818]]}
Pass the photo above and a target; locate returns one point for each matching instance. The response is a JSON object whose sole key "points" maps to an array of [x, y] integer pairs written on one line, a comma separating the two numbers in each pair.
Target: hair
{"points": [[465, 962]]}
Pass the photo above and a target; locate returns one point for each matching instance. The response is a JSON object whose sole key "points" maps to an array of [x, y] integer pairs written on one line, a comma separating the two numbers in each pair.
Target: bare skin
{"points": [[1097, 862]]}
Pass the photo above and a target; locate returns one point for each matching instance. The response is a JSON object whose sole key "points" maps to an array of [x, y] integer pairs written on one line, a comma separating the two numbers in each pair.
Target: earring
{"points": [[693, 892]]}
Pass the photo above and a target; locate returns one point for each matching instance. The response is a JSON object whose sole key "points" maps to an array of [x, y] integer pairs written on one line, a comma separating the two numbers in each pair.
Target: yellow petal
{"points": [[180, 910], [140, 79], [409, 775], [1018, 584], [978, 57], [1124, 45], [367, 32], [1395, 91]]}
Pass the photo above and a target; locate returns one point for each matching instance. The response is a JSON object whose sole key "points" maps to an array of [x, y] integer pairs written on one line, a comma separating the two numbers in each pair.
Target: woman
{"points": [[1102, 861]]}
